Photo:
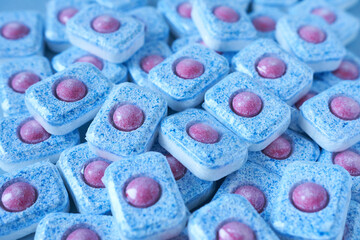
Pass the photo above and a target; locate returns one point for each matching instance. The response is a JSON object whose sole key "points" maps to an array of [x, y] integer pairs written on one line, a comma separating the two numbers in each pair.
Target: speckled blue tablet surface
{"points": [[123, 5], [55, 33], [111, 143], [205, 222], [184, 93], [275, 3], [303, 149], [291, 86], [51, 197], [207, 161], [163, 220], [324, 56], [185, 41], [156, 28], [352, 231], [327, 130], [60, 117], [58, 226], [331, 79], [194, 191], [139, 76], [116, 46], [254, 175], [220, 35], [180, 26], [12, 102], [328, 158], [116, 73], [325, 224], [273, 13], [260, 130], [346, 26], [16, 154], [71, 164], [29, 45]]}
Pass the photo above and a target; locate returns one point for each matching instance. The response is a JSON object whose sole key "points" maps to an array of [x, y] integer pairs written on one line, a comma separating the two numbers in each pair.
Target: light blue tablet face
{"points": [[88, 199], [116, 73], [325, 128], [344, 25], [207, 161], [272, 16], [290, 86], [51, 196], [329, 157], [138, 74], [180, 26], [260, 130], [156, 29], [205, 222], [165, 218], [61, 225], [183, 93], [252, 174], [291, 222], [123, 5], [352, 229], [17, 153], [222, 35], [102, 132], [12, 101], [58, 116], [194, 191], [349, 70], [30, 44], [302, 149], [55, 32], [116, 46], [322, 56]]}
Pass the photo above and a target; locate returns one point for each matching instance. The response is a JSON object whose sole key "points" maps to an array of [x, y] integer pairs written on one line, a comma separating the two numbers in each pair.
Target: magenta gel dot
{"points": [[94, 172], [235, 231], [312, 34], [226, 14], [326, 14], [71, 90], [20, 82], [32, 132], [189, 69], [184, 9], [149, 62], [309, 95], [143, 192], [14, 30], [279, 149], [66, 14], [310, 197], [105, 24], [18, 196], [345, 108], [177, 169], [347, 71], [93, 60], [203, 133], [254, 195], [349, 160], [128, 117], [271, 67], [264, 24], [247, 104], [83, 234]]}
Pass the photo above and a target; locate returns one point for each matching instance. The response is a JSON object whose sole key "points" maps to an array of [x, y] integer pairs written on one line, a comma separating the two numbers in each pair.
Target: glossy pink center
{"points": [[128, 117], [94, 172], [177, 169], [18, 196], [203, 133], [20, 82], [71, 90], [349, 160], [271, 67], [184, 9], [143, 192], [83, 234], [347, 70], [32, 132], [14, 30], [65, 14], [345, 108], [149, 62], [235, 231], [247, 104], [326, 14], [226, 14], [189, 68], [312, 34], [279, 149], [93, 60], [264, 24], [105, 24], [310, 197], [254, 195]]}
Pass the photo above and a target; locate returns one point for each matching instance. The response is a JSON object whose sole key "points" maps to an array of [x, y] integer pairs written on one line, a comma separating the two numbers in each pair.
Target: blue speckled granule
{"points": [[88, 200], [328, 223], [123, 5], [163, 220], [205, 222], [352, 229]]}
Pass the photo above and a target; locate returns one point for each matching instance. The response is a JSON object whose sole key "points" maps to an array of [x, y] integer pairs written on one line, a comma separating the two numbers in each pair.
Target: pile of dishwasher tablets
{"points": [[245, 127]]}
